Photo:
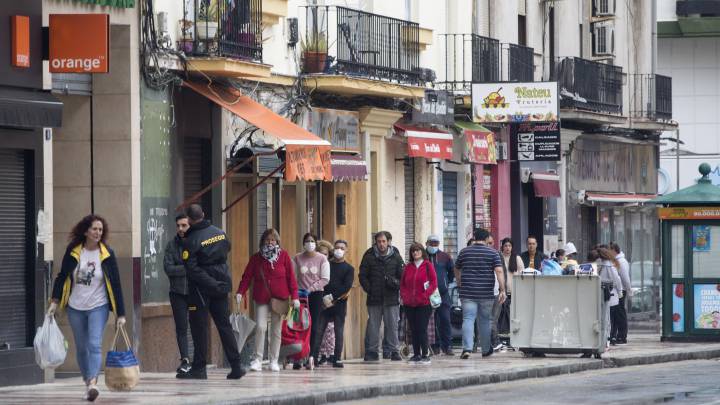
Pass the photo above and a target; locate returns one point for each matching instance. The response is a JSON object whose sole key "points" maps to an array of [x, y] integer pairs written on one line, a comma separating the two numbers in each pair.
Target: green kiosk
{"points": [[690, 221]]}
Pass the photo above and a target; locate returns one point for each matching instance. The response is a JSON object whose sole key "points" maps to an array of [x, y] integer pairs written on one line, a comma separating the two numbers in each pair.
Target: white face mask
{"points": [[309, 246], [338, 253]]}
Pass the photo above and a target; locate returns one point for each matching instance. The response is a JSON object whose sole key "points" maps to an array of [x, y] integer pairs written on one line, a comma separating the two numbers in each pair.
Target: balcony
{"points": [[651, 97], [470, 58], [518, 63], [342, 41], [220, 30], [589, 86]]}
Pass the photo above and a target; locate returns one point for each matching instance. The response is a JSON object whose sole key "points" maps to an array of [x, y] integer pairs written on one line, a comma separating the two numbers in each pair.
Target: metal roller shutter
{"points": [[450, 213], [14, 272], [409, 204]]}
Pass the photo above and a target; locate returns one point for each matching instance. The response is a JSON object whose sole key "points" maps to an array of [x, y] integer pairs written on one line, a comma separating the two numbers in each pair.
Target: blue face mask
{"points": [[432, 250]]}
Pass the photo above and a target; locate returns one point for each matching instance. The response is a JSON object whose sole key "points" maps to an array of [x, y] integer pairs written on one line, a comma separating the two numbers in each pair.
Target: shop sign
{"points": [[479, 147], [430, 148], [307, 163], [515, 102], [435, 108], [79, 43], [20, 27], [536, 142], [340, 128], [707, 306], [671, 213]]}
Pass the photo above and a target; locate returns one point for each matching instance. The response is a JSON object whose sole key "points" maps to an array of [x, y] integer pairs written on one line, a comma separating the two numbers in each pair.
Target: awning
{"points": [[546, 184], [307, 156], [24, 108], [479, 143], [429, 143], [348, 168], [619, 198]]}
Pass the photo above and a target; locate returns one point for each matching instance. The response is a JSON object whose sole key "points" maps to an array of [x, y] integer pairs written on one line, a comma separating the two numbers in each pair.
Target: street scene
{"points": [[359, 201]]}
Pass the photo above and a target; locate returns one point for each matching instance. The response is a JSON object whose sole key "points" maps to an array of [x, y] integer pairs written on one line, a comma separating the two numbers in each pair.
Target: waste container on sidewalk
{"points": [[557, 314]]}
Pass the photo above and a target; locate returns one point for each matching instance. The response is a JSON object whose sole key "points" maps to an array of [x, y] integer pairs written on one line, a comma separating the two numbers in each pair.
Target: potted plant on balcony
{"points": [[315, 50], [206, 23]]}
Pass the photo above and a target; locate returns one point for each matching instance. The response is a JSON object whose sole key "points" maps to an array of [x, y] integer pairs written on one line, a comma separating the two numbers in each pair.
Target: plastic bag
{"points": [[551, 268], [49, 343]]}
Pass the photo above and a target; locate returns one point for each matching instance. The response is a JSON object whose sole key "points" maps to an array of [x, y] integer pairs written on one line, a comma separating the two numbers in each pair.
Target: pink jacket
{"points": [[280, 278], [412, 285]]}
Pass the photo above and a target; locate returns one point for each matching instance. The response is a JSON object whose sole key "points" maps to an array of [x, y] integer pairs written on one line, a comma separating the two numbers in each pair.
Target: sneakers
{"points": [[386, 356], [274, 367], [338, 364], [497, 347], [371, 357], [92, 392], [465, 355], [236, 373], [448, 352], [414, 359], [621, 342], [395, 356], [193, 374], [424, 360], [184, 366], [488, 353], [256, 365]]}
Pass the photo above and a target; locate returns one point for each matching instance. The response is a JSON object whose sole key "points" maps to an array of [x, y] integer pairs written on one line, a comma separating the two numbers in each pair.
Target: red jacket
{"points": [[412, 285], [280, 277]]}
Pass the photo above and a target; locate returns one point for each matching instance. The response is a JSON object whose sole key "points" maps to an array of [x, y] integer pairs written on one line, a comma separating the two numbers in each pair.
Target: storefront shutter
{"points": [[409, 205], [14, 273], [450, 213]]}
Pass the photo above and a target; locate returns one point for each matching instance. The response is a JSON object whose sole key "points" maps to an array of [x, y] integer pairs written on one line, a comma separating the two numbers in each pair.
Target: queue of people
{"points": [[195, 263]]}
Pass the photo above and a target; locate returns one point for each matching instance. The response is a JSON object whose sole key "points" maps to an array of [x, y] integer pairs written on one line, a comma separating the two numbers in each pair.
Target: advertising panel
{"points": [[515, 102], [340, 128], [707, 306], [536, 141], [79, 43]]}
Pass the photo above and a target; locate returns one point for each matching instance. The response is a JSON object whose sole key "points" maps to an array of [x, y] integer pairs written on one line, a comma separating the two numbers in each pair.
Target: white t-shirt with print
{"points": [[88, 290]]}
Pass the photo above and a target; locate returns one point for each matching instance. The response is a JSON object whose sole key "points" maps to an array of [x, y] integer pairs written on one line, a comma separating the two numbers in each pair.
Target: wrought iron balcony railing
{"points": [[651, 97], [341, 40], [519, 64], [470, 58], [221, 28], [589, 85]]}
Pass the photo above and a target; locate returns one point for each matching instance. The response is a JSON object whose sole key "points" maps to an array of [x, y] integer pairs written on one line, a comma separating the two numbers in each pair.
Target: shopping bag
{"points": [[242, 327], [122, 370], [49, 343], [550, 268]]}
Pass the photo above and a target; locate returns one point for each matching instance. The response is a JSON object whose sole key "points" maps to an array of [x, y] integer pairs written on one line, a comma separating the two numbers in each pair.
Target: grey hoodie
{"points": [[624, 272]]}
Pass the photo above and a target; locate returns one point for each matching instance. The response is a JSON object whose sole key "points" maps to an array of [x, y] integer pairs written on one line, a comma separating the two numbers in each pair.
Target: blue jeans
{"points": [[88, 327], [481, 309]]}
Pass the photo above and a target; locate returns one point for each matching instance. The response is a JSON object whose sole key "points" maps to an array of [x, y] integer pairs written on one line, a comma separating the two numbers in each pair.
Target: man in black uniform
{"points": [[205, 253]]}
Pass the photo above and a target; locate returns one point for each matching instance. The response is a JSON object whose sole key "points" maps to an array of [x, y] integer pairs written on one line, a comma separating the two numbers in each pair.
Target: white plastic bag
{"points": [[50, 350]]}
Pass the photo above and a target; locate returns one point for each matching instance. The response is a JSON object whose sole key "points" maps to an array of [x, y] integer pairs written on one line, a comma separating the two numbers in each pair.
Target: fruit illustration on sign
{"points": [[676, 317], [679, 291], [495, 99]]}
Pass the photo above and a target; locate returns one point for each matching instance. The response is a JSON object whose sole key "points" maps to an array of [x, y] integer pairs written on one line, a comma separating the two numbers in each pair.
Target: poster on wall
{"points": [[701, 238], [340, 128], [707, 306], [678, 307], [515, 102], [537, 142]]}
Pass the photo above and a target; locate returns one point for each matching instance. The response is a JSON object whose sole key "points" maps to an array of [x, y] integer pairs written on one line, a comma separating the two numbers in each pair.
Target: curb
{"points": [[421, 386]]}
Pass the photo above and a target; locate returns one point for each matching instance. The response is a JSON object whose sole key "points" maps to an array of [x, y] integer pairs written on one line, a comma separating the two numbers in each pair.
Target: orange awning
{"points": [[305, 150]]}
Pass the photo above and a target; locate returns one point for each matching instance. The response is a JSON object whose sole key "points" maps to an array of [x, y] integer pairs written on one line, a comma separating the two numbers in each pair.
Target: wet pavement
{"points": [[361, 380], [688, 383]]}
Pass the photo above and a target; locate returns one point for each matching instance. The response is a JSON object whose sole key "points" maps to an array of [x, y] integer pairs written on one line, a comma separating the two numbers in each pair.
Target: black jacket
{"points": [[380, 278], [539, 257], [342, 276], [62, 288], [174, 266], [205, 253]]}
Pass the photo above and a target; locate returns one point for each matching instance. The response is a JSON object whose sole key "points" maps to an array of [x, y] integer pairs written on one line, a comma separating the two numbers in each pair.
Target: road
{"points": [[686, 383]]}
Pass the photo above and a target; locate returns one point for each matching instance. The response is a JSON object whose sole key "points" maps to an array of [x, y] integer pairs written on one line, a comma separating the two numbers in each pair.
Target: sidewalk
{"points": [[359, 380]]}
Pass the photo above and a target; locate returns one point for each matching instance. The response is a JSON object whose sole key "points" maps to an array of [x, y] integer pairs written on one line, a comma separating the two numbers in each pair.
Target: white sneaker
{"points": [[256, 365], [92, 392], [274, 366]]}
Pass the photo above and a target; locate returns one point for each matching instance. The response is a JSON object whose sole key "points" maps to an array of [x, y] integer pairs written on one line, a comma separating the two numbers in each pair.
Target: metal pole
{"points": [[677, 158]]}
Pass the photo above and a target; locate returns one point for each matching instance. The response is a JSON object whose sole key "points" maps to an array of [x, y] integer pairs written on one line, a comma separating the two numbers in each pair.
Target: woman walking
{"points": [[418, 283], [512, 264], [610, 281], [312, 270], [271, 273], [89, 286]]}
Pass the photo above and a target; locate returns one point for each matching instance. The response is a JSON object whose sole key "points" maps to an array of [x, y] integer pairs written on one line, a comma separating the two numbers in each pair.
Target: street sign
{"points": [[536, 141]]}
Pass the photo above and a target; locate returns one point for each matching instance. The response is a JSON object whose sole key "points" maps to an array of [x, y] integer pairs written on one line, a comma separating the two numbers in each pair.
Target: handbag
{"points": [[435, 298], [329, 303], [122, 370], [278, 306]]}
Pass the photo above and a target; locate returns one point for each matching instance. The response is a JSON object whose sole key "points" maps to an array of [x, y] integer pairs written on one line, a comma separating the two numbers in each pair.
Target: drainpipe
{"points": [[653, 44]]}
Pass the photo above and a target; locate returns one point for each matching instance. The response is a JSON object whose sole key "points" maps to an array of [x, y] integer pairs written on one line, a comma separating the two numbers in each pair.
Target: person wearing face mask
{"points": [[312, 270], [335, 297], [443, 264], [271, 273], [418, 283]]}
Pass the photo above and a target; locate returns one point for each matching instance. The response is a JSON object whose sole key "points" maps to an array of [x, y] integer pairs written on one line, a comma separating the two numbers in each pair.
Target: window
{"points": [[677, 249]]}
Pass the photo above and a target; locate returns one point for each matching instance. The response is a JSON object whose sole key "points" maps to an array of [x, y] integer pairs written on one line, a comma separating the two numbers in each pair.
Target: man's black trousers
{"points": [[218, 309]]}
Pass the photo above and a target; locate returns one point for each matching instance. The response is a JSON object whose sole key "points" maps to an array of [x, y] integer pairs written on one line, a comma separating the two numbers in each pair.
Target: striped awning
{"points": [[348, 167]]}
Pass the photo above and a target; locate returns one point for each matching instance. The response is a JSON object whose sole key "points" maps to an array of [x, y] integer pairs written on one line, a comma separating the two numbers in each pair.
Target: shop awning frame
{"points": [[429, 143], [546, 184], [346, 167], [618, 198], [24, 108]]}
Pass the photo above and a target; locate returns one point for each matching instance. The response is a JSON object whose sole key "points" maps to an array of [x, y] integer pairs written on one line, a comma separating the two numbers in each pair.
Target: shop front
{"points": [[690, 221]]}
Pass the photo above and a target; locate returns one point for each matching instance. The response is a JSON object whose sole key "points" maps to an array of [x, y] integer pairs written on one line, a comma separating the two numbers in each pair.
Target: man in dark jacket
{"points": [[532, 258], [380, 274], [175, 269], [443, 264], [205, 253]]}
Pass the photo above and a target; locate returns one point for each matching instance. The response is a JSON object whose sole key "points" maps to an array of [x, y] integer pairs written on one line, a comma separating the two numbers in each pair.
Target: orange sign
{"points": [[304, 162], [20, 27], [671, 213], [79, 43]]}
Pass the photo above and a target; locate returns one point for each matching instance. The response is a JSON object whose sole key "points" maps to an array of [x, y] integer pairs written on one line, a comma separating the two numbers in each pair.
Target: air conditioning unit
{"points": [[604, 8], [603, 39]]}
